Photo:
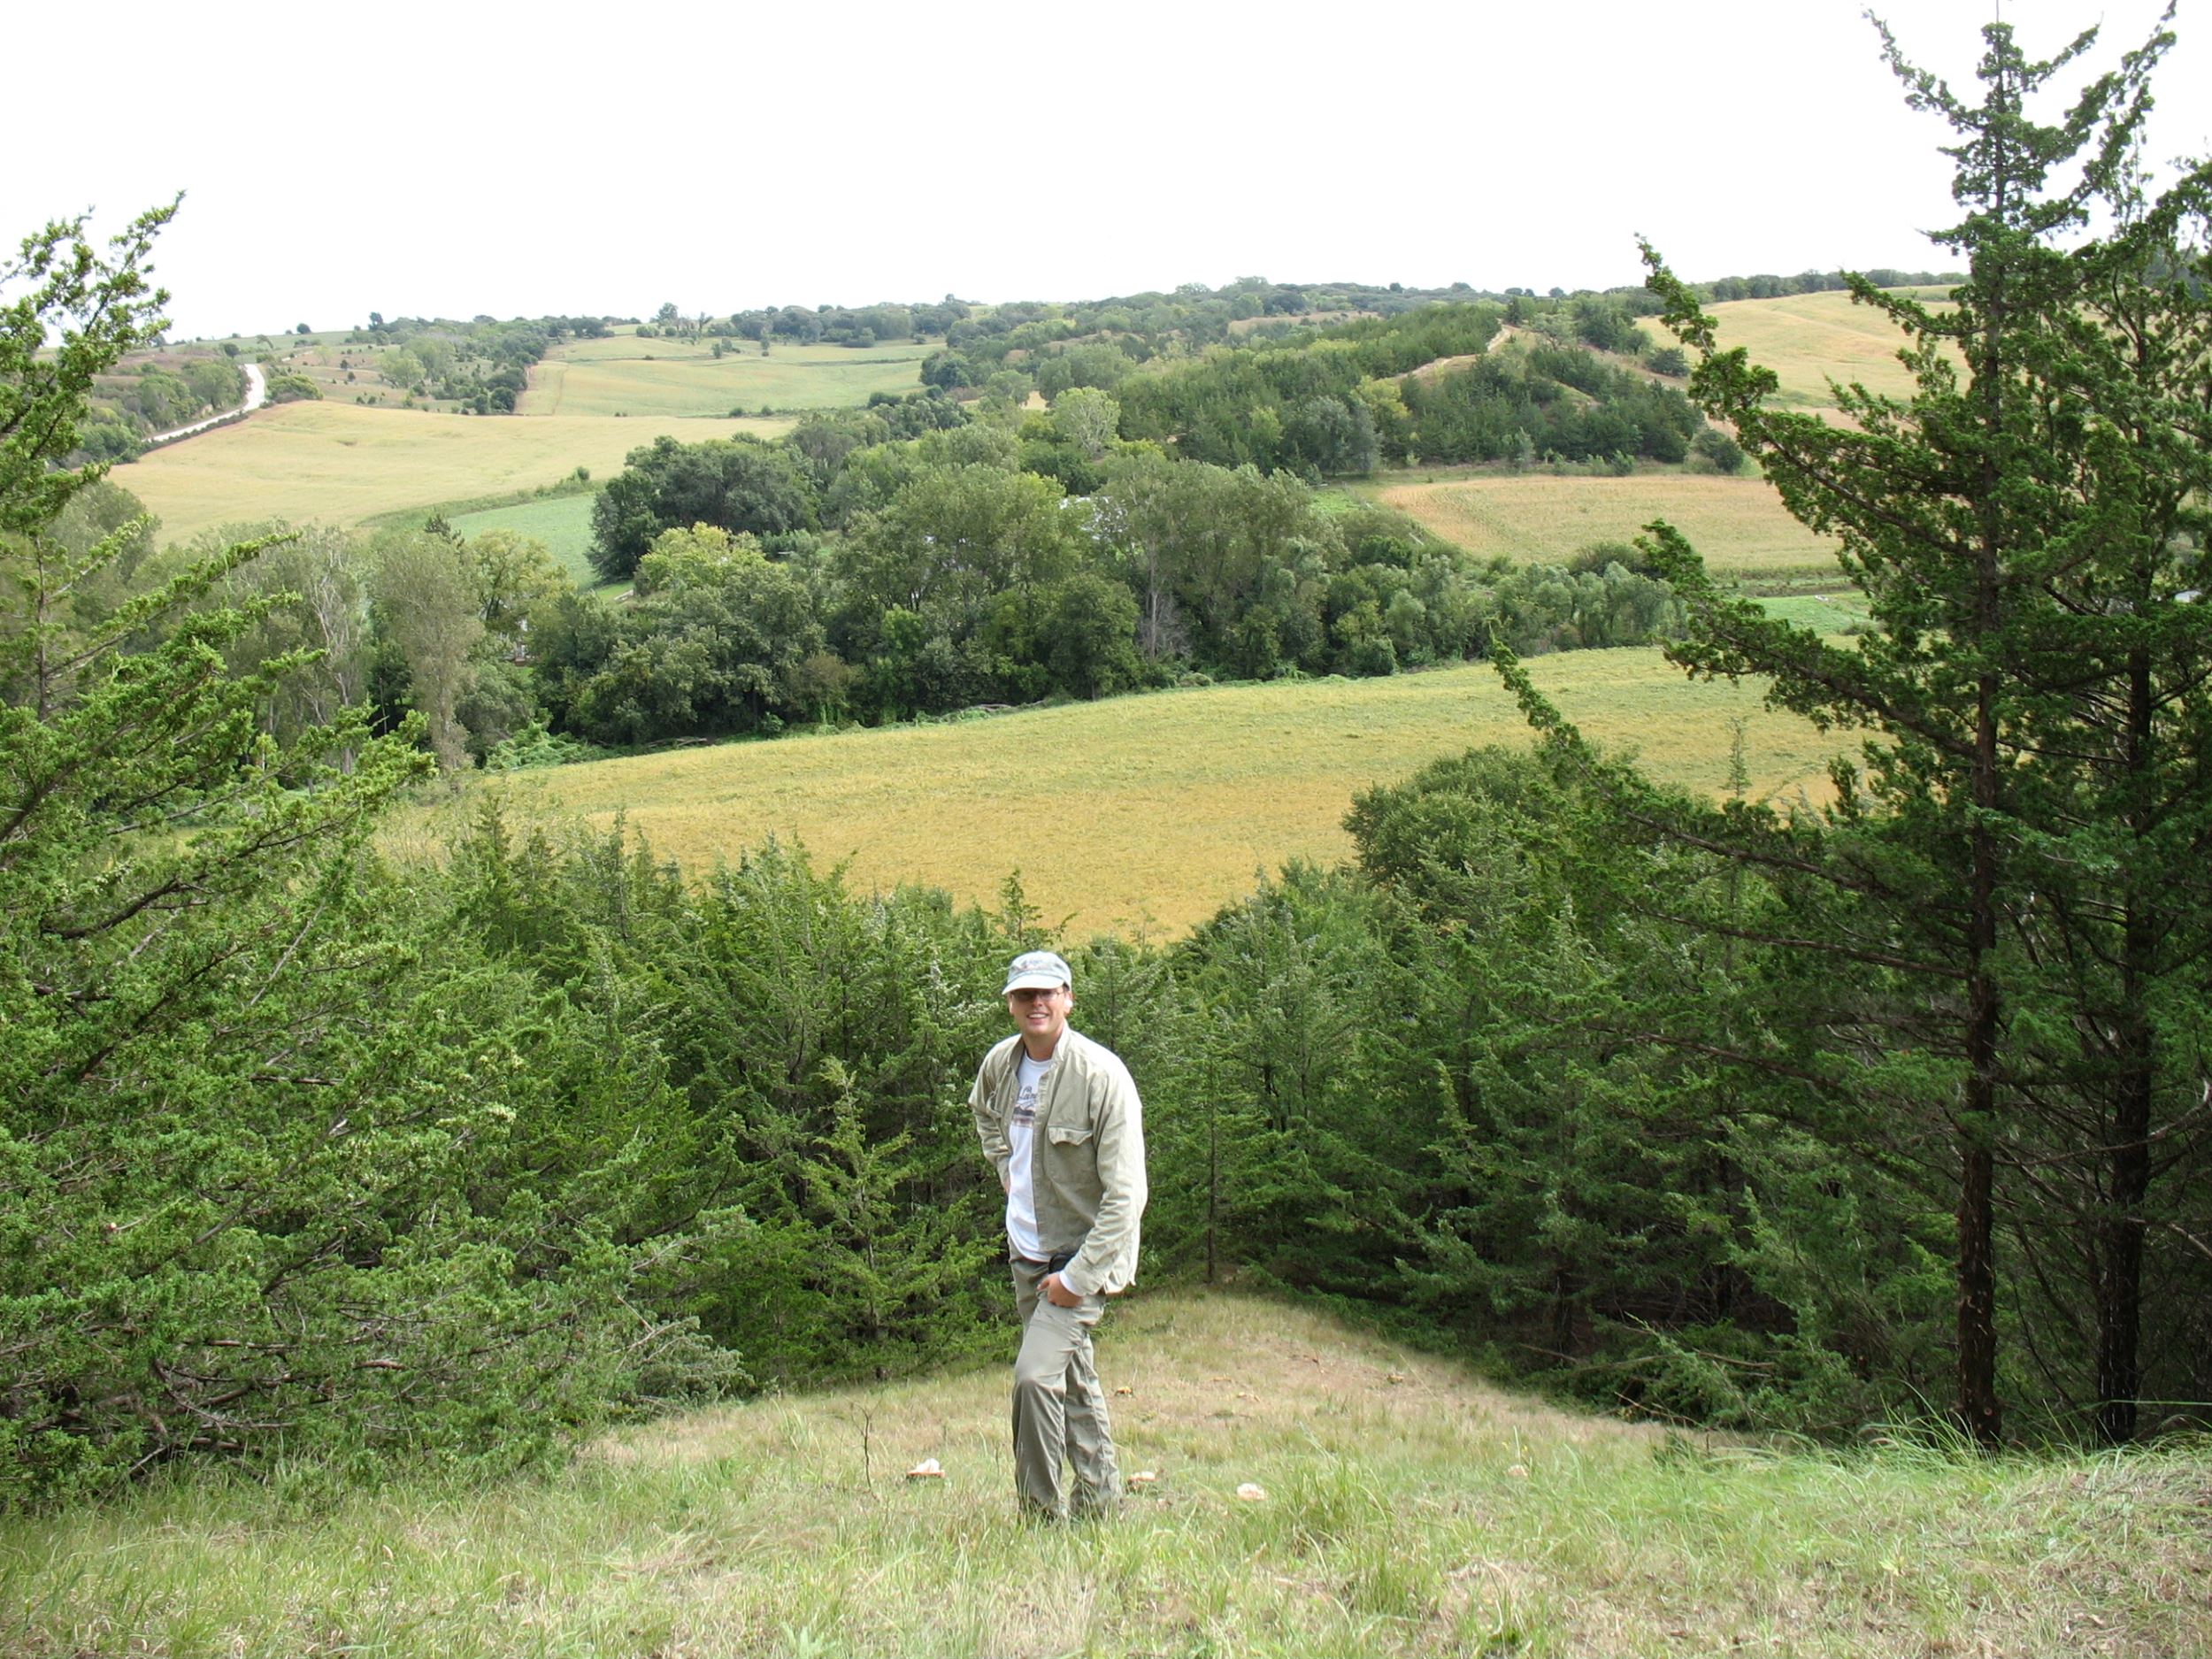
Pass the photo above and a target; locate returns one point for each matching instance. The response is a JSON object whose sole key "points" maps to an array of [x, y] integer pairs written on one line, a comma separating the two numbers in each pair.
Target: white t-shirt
{"points": [[1021, 1192]]}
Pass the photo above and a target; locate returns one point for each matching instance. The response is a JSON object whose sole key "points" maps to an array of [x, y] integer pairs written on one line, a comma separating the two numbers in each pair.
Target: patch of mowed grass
{"points": [[1409, 1508], [1738, 523], [1138, 816], [342, 464], [624, 375], [1810, 338], [563, 523], [1842, 612]]}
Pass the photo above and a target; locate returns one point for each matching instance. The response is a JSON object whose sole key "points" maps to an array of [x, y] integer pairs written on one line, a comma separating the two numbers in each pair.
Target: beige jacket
{"points": [[1086, 1156]]}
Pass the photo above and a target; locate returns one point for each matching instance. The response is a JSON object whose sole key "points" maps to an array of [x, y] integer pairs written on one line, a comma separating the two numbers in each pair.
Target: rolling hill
{"points": [[1164, 807], [341, 462]]}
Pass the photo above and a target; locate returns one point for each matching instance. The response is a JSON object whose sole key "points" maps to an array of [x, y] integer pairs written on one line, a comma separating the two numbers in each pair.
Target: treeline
{"points": [[976, 583], [828, 325], [1770, 287], [921, 557], [1334, 404], [1019, 347], [1111, 333]]}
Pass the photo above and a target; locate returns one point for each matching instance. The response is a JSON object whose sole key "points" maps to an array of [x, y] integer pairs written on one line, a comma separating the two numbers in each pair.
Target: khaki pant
{"points": [[1058, 1406]]}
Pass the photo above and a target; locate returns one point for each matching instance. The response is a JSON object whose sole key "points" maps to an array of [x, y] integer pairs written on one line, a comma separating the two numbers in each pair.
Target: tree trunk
{"points": [[1978, 1412], [1213, 1193], [2120, 1227], [1977, 1129], [1978, 1408], [2119, 1289]]}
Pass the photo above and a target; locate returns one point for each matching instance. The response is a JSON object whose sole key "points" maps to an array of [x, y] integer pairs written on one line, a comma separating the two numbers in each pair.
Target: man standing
{"points": [[1059, 1118]]}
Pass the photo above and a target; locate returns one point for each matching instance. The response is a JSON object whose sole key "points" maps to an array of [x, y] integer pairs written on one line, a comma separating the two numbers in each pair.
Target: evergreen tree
{"points": [[286, 1159], [2014, 875]]}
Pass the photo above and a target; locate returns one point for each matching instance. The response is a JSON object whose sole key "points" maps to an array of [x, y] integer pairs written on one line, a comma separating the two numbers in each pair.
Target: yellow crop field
{"points": [[1809, 339], [1136, 815], [623, 374], [340, 463], [1739, 524]]}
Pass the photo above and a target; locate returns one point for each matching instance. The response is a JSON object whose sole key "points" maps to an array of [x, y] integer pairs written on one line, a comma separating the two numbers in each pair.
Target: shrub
{"points": [[1718, 451]]}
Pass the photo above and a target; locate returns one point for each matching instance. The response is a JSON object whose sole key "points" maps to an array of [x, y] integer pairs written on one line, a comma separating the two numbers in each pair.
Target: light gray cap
{"points": [[1037, 970]]}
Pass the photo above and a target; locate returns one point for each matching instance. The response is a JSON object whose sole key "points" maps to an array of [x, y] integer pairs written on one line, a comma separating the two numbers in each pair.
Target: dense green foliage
{"points": [[736, 484], [482, 366], [2008, 892], [284, 1162], [1330, 403], [827, 325], [934, 554], [1767, 286]]}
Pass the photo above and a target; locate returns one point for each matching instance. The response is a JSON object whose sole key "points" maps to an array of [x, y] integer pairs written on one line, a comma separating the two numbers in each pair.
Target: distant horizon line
{"points": [[1235, 286]]}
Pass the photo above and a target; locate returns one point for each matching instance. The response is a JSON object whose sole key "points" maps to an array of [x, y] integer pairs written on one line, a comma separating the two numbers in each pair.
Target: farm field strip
{"points": [[1142, 815], [666, 377], [341, 462], [1738, 523]]}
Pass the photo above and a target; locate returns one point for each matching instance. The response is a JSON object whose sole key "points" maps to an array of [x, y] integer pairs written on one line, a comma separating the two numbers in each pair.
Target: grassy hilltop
{"points": [[1408, 1508], [623, 374], [1808, 339], [1739, 524]]}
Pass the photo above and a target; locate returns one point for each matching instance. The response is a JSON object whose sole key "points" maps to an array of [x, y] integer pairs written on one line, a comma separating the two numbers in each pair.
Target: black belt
{"points": [[1051, 1264]]}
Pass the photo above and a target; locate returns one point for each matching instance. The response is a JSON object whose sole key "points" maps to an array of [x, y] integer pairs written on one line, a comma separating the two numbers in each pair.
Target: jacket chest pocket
{"points": [[1071, 1163], [1071, 1118]]}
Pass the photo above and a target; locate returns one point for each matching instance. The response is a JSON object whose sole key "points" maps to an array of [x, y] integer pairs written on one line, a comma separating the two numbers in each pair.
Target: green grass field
{"points": [[1163, 808], [1405, 1507], [1739, 524], [1838, 611], [623, 374], [563, 524], [340, 463]]}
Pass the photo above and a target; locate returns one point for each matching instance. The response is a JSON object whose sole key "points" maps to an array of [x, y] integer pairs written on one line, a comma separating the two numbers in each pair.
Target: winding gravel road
{"points": [[257, 395]]}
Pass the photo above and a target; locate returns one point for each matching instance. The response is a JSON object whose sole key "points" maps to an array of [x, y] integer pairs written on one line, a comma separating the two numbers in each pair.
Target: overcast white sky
{"points": [[460, 158]]}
